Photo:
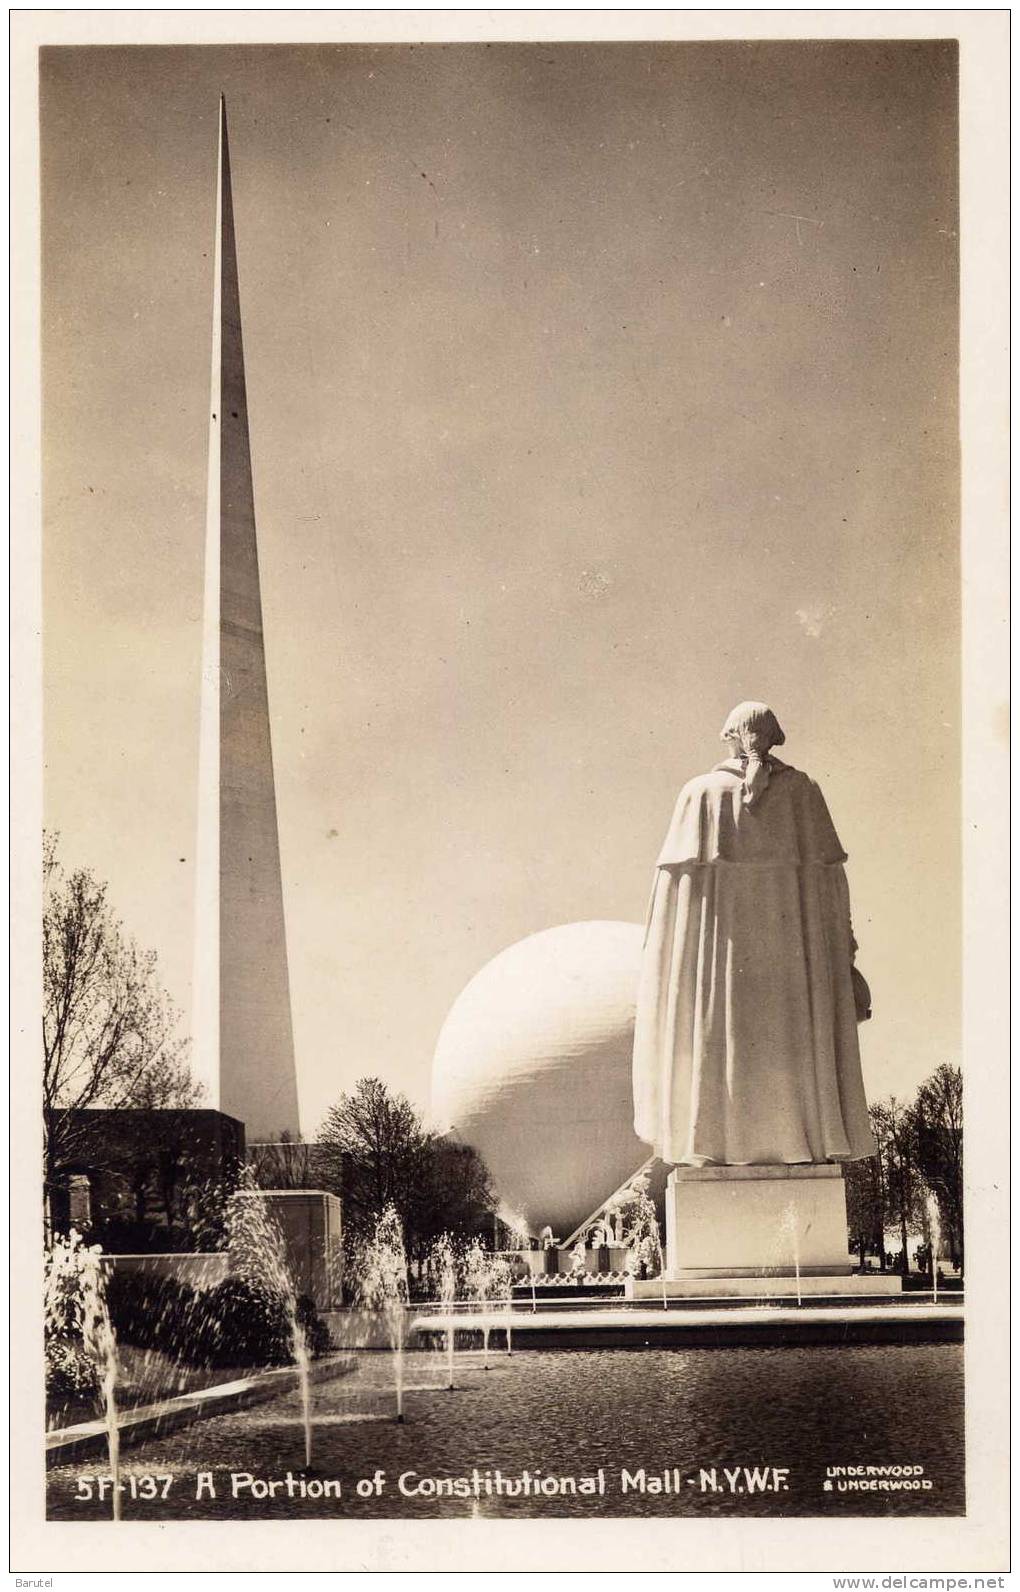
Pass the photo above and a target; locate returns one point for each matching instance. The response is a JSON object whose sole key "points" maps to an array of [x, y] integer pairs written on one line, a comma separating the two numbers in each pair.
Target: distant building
{"points": [[143, 1181]]}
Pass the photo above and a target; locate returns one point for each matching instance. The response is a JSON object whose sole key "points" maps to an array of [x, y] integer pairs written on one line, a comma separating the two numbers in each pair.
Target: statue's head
{"points": [[752, 729]]}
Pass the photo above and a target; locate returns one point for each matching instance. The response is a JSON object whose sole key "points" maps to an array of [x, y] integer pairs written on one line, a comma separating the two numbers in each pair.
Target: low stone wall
{"points": [[71, 1444], [361, 1329], [199, 1270], [355, 1329]]}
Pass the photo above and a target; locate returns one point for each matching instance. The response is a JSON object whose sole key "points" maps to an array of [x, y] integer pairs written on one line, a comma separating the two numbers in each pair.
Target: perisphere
{"points": [[533, 1069]]}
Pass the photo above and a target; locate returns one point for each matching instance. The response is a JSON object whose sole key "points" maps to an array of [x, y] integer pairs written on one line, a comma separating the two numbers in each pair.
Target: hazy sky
{"points": [[566, 437]]}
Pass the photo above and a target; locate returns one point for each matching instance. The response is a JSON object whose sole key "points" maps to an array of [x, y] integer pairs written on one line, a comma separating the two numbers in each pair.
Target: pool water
{"points": [[727, 1431]]}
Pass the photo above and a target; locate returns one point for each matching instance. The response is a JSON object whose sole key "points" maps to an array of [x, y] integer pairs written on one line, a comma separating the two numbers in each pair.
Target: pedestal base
{"points": [[753, 1222], [310, 1223]]}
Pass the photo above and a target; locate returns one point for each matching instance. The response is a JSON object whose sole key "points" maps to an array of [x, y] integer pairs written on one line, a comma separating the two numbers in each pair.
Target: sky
{"points": [[592, 389]]}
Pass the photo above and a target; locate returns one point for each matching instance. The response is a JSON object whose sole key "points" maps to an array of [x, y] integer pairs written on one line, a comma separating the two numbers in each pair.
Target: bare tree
{"points": [[895, 1126], [109, 1031], [286, 1162], [865, 1205], [372, 1142], [939, 1127], [374, 1150]]}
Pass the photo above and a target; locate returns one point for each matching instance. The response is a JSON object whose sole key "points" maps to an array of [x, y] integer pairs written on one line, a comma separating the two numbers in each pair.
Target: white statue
{"points": [[745, 1045]]}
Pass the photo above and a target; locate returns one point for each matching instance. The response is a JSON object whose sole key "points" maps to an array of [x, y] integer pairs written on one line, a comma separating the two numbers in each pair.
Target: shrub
{"points": [[245, 1325], [234, 1323], [242, 1325], [315, 1329], [151, 1312], [70, 1374], [73, 1290]]}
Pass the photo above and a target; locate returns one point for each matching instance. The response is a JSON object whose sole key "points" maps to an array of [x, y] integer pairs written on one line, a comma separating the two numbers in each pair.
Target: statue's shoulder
{"points": [[704, 787], [796, 786], [799, 783], [818, 838], [722, 777], [792, 780], [727, 776], [697, 817]]}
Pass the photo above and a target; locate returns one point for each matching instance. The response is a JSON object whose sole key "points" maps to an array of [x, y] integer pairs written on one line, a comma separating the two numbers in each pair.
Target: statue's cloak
{"points": [[745, 1045]]}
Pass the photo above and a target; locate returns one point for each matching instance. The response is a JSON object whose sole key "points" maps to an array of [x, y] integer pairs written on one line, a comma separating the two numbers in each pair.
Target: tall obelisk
{"points": [[242, 1020]]}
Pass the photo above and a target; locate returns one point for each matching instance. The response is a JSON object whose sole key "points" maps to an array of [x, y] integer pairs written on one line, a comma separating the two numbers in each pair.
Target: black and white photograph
{"points": [[501, 851]]}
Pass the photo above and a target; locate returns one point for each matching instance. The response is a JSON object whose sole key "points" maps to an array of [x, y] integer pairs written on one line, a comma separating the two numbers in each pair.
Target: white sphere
{"points": [[533, 1070]]}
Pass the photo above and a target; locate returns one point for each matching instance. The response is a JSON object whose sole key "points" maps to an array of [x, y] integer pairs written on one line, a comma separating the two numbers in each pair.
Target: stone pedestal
{"points": [[309, 1220], [756, 1221]]}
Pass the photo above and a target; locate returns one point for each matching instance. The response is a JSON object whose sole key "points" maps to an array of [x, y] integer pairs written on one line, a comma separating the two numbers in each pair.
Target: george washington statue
{"points": [[745, 1045]]}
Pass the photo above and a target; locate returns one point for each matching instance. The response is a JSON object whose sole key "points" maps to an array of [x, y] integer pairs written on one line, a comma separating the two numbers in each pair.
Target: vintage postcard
{"points": [[508, 547]]}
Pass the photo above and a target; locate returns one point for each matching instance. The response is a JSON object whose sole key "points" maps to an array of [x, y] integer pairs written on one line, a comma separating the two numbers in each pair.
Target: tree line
{"points": [[919, 1160]]}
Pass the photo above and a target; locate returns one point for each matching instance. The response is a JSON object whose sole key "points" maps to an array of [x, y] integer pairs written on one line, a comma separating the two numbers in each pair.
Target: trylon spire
{"points": [[242, 1019]]}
